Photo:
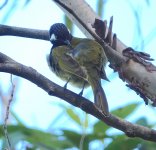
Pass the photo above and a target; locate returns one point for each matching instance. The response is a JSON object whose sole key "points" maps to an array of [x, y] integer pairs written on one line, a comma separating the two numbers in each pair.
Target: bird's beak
{"points": [[68, 43]]}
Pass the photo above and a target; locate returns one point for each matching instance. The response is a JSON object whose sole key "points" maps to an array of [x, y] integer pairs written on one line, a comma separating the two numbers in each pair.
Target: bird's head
{"points": [[59, 35]]}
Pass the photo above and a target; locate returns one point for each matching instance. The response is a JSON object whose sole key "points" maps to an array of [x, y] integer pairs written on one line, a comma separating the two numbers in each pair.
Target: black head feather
{"points": [[59, 34]]}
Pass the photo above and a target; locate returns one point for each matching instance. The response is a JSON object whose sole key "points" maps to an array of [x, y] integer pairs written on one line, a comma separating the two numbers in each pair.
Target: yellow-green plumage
{"points": [[84, 62], [66, 67]]}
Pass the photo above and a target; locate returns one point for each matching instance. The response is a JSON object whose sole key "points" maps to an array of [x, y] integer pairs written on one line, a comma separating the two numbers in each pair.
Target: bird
{"points": [[80, 61]]}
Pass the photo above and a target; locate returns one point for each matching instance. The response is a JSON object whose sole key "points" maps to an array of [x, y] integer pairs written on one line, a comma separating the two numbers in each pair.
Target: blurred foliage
{"points": [[11, 8], [35, 138], [139, 42], [147, 2], [26, 3], [100, 7], [68, 23], [66, 138], [100, 4], [3, 4]]}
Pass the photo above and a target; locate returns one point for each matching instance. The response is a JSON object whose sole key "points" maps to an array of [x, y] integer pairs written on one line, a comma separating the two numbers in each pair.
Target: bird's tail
{"points": [[99, 96]]}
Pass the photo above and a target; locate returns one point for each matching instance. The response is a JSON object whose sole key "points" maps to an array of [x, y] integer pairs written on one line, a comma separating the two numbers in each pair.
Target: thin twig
{"points": [[4, 4], [7, 114], [82, 140]]}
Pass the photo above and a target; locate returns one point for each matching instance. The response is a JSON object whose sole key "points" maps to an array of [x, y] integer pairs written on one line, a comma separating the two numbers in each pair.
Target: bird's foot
{"points": [[65, 86], [81, 93]]}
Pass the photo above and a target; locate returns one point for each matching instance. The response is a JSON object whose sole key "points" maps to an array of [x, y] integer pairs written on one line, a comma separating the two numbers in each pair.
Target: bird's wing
{"points": [[90, 52], [66, 62]]}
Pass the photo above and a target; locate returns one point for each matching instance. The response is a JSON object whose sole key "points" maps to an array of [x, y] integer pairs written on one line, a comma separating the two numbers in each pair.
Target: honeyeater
{"points": [[80, 61]]}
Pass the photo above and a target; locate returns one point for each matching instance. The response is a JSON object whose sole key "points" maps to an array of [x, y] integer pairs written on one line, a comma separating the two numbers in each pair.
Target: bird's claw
{"points": [[81, 93]]}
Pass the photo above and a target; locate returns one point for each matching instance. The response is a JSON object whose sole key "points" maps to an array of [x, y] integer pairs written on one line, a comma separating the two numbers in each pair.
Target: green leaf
{"points": [[125, 111], [36, 137], [143, 121], [76, 138], [147, 145], [10, 128], [73, 116], [100, 129], [100, 5], [122, 142], [85, 124], [45, 140], [17, 118], [68, 23]]}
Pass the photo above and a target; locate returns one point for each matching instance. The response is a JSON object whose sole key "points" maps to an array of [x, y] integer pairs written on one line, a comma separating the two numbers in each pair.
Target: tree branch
{"points": [[24, 32], [81, 14], [6, 30], [10, 66], [141, 80]]}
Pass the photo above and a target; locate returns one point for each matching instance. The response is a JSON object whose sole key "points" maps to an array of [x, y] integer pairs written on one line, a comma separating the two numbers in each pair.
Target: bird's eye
{"points": [[53, 37]]}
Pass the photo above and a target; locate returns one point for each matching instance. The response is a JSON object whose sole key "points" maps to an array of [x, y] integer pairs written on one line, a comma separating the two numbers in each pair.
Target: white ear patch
{"points": [[53, 37], [68, 30]]}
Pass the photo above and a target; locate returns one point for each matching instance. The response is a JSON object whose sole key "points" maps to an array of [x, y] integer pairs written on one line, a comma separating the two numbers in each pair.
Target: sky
{"points": [[32, 104]]}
